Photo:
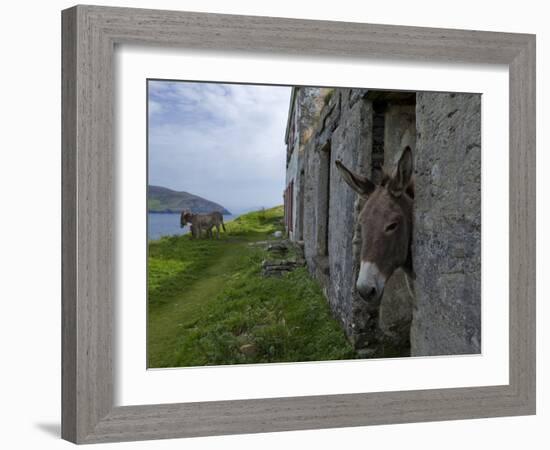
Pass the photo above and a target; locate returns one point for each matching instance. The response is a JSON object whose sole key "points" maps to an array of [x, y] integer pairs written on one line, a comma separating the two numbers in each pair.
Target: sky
{"points": [[223, 142]]}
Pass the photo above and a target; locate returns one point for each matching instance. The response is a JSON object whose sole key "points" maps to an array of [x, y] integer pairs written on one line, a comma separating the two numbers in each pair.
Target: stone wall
{"points": [[447, 234], [307, 105], [352, 144]]}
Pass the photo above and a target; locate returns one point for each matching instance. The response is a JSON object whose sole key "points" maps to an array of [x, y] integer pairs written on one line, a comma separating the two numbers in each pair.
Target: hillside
{"points": [[164, 200]]}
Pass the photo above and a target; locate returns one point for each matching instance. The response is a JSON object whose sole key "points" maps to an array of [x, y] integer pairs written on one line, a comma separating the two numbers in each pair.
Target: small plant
{"points": [[328, 96], [261, 214]]}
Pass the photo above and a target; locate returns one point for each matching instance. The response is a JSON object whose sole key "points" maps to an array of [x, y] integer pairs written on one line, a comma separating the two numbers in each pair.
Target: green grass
{"points": [[207, 299]]}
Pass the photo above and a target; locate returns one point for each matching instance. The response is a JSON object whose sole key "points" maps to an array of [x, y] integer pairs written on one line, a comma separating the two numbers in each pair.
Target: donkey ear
{"points": [[402, 177], [362, 185]]}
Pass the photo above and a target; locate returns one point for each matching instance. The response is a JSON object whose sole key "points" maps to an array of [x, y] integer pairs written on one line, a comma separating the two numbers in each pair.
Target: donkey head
{"points": [[386, 225], [185, 217]]}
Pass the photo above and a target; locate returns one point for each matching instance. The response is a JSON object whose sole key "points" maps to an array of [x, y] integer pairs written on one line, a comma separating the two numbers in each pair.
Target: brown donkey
{"points": [[386, 226], [200, 222]]}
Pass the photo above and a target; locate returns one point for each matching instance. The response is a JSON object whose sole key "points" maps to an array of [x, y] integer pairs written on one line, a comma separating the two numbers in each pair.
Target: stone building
{"points": [[440, 313]]}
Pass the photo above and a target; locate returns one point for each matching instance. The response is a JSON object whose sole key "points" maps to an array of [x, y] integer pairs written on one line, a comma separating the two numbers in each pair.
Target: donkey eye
{"points": [[392, 226]]}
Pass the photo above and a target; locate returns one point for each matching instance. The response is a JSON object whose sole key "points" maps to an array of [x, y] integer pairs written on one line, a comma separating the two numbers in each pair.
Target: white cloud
{"points": [[155, 107]]}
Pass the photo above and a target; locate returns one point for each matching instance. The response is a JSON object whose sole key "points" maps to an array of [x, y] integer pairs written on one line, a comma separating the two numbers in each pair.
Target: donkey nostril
{"points": [[366, 291]]}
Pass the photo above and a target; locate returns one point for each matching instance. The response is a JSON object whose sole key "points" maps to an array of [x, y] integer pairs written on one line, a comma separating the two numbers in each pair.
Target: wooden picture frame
{"points": [[90, 34]]}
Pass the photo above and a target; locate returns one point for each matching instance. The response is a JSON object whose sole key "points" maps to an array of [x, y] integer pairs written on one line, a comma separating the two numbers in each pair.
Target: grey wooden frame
{"points": [[89, 37]]}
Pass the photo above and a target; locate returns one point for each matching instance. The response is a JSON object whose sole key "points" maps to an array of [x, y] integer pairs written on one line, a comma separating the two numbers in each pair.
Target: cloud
{"points": [[221, 141], [155, 107]]}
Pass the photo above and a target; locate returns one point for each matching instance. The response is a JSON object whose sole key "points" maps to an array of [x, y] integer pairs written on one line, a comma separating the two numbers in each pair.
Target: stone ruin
{"points": [[440, 313], [281, 262]]}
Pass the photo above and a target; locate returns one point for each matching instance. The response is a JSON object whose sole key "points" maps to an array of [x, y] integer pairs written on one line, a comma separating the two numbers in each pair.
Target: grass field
{"points": [[208, 303]]}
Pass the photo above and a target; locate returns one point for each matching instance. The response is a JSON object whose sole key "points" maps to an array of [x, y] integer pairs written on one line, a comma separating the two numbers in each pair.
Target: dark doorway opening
{"points": [[323, 200]]}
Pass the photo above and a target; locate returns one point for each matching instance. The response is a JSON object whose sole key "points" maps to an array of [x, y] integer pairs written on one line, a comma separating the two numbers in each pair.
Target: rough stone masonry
{"points": [[367, 129], [447, 237]]}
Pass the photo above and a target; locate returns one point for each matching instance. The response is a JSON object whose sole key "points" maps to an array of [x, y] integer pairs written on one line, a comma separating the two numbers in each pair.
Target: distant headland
{"points": [[164, 200]]}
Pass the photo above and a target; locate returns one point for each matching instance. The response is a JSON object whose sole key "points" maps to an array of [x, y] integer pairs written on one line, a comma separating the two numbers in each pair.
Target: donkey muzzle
{"points": [[370, 282]]}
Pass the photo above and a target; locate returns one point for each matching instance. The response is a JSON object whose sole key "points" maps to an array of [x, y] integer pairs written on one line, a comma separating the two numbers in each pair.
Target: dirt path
{"points": [[166, 321]]}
